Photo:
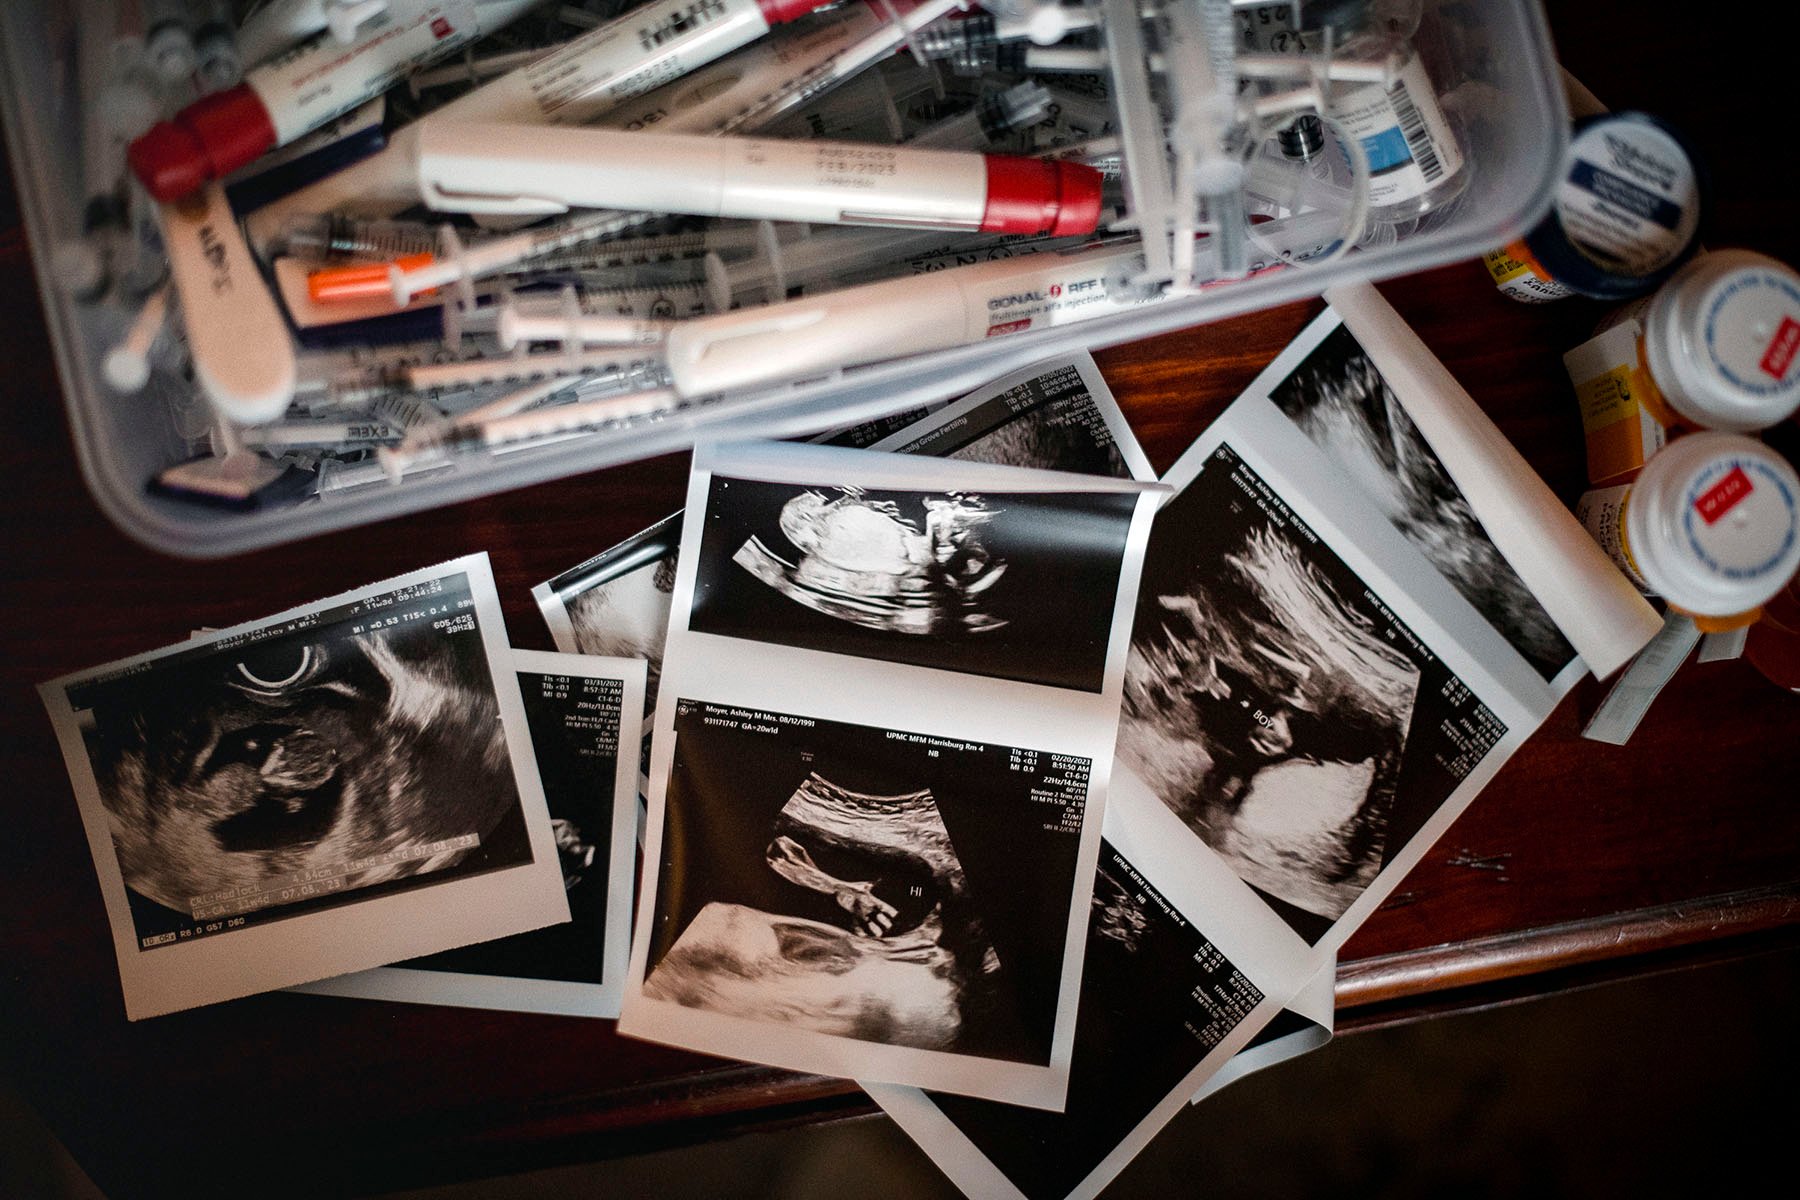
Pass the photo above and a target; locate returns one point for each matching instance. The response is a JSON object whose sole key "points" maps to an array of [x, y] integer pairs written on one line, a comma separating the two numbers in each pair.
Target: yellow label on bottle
{"points": [[1602, 512], [1607, 399], [1504, 267], [1517, 278], [1622, 433]]}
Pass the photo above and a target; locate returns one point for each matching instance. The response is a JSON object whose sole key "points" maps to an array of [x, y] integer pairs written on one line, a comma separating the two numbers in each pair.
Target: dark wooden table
{"points": [[1579, 861]]}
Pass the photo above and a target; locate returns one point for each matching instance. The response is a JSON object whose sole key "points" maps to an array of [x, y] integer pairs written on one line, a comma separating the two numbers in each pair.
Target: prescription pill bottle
{"points": [[1625, 216], [1518, 274], [1712, 525], [1714, 348], [1416, 164]]}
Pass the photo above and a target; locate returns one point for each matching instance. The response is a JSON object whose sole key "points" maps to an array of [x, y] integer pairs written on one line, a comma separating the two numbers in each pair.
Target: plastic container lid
{"points": [[1714, 523], [121, 445], [1721, 339], [1626, 211]]}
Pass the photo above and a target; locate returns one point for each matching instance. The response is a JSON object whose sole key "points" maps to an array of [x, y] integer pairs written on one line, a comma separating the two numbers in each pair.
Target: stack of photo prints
{"points": [[968, 760]]}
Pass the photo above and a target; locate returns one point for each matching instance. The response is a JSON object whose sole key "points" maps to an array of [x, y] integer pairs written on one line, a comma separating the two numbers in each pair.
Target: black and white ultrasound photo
{"points": [[628, 615], [356, 752], [1156, 998], [576, 726], [1343, 405], [866, 883], [1275, 704], [1015, 585], [1049, 421], [616, 604]]}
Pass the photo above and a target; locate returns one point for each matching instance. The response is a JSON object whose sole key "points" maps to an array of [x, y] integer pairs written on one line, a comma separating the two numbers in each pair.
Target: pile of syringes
{"points": [[353, 240]]}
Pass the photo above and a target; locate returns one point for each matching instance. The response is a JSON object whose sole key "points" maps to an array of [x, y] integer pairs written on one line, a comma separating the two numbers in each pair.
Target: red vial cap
{"points": [[1028, 195], [207, 140], [779, 12]]}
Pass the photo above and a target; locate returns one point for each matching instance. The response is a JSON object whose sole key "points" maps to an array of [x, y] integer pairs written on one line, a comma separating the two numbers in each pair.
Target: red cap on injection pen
{"points": [[207, 140], [779, 12], [1028, 195]]}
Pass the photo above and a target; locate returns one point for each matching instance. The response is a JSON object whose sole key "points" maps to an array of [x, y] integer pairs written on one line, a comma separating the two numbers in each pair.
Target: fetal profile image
{"points": [[851, 883], [896, 965], [1013, 585], [862, 561], [1264, 702]]}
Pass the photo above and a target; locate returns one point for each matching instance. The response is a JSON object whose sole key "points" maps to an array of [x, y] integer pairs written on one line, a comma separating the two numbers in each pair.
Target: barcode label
{"points": [[1418, 138]]}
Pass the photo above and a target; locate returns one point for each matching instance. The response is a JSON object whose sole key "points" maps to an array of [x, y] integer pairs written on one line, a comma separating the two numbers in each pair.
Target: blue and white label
{"points": [[1402, 129], [1630, 200]]}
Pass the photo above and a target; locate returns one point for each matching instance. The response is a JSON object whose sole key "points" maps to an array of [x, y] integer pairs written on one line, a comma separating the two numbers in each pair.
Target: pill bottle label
{"points": [[1619, 422], [1602, 513], [1410, 147], [1630, 200], [1519, 280], [1779, 356]]}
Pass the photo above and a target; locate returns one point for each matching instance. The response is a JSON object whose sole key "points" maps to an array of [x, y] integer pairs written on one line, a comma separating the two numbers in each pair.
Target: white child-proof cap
{"points": [[1722, 340], [1713, 523]]}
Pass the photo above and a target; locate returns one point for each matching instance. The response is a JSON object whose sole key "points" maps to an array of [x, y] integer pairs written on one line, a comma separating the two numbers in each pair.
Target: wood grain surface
{"points": [[1577, 854]]}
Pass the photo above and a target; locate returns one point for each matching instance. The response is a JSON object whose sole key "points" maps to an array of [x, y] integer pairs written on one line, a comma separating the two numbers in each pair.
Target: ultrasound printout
{"points": [[879, 764], [326, 790], [581, 711]]}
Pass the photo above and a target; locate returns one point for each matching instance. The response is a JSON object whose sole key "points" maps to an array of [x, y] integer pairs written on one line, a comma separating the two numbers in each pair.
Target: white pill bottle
{"points": [[1712, 525], [1715, 348], [1720, 338]]}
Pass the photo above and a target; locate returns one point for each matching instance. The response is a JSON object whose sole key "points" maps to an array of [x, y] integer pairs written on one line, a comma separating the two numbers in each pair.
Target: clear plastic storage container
{"points": [[1505, 99]]}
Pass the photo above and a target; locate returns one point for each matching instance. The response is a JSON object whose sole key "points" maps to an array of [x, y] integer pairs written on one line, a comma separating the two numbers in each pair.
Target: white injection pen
{"points": [[578, 82], [301, 90], [915, 314], [542, 169]]}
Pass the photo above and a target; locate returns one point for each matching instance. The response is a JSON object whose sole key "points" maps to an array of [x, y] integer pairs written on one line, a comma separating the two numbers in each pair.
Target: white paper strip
{"points": [[1594, 605], [1618, 715]]}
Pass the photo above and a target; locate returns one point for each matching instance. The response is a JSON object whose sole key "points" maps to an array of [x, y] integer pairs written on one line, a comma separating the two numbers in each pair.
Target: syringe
{"points": [[528, 368], [325, 237], [533, 425], [993, 117], [837, 257], [971, 44], [495, 423], [456, 262], [597, 317], [814, 82], [628, 262], [459, 262]]}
